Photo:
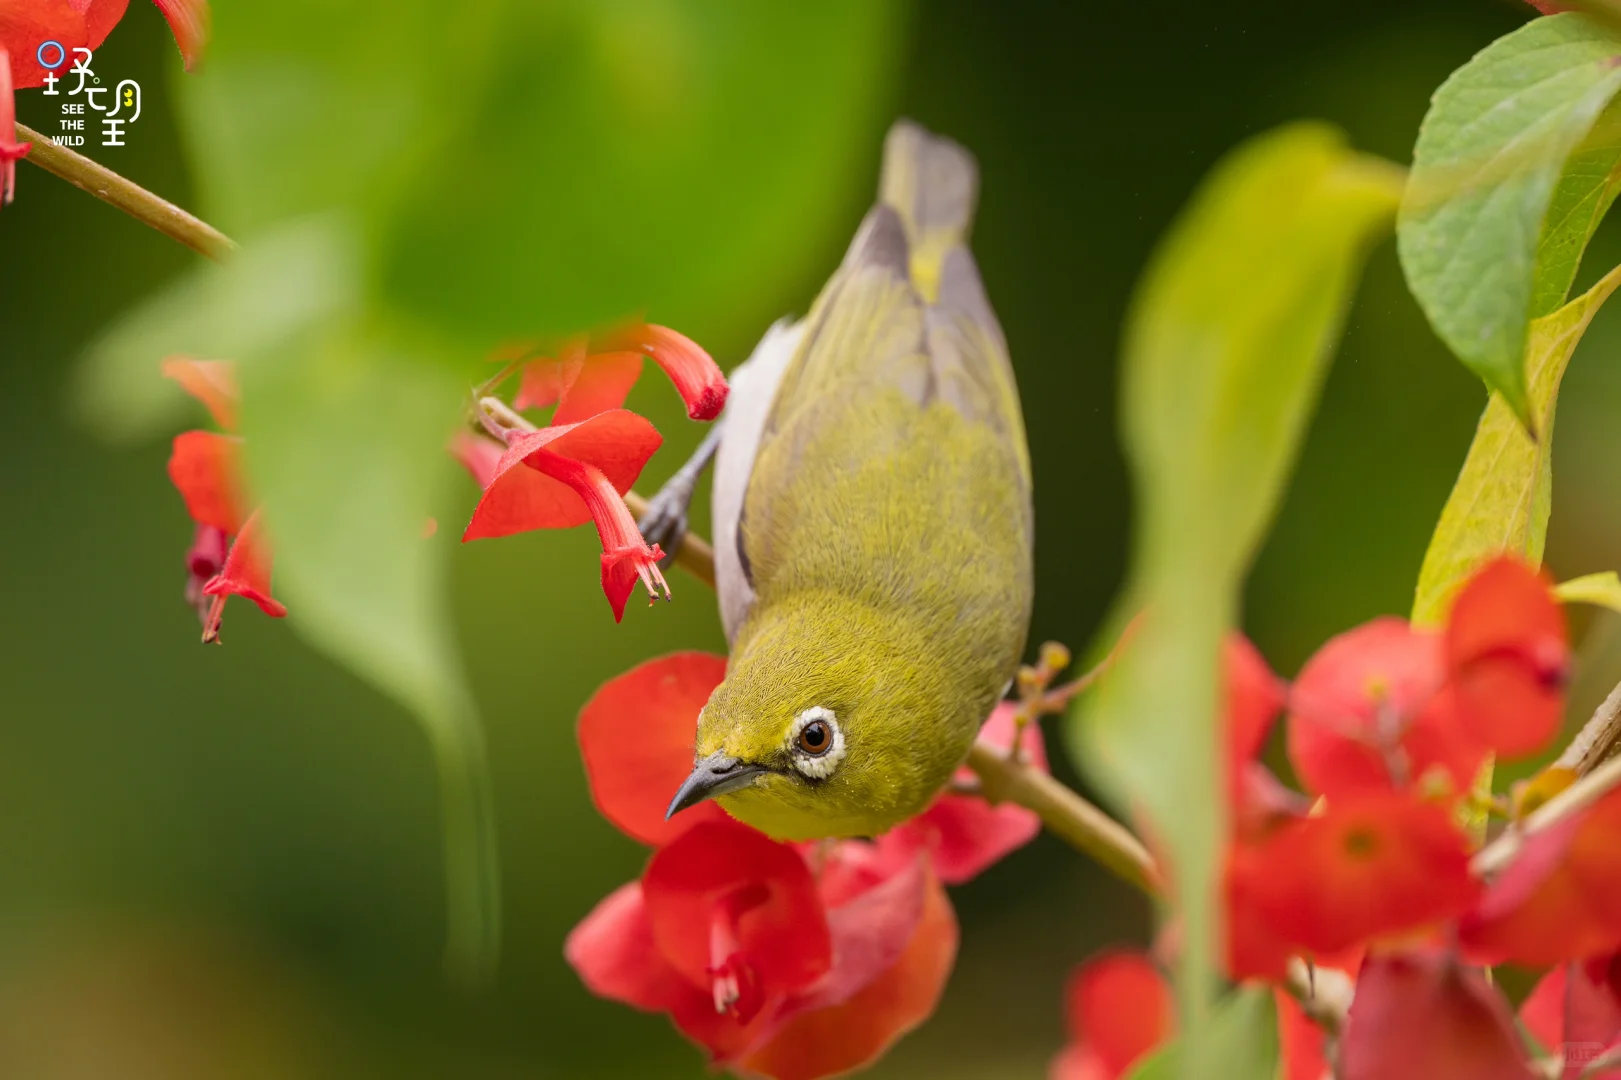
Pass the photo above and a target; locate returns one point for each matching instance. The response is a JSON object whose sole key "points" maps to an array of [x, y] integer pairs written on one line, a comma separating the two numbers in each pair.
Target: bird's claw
{"points": [[665, 522]]}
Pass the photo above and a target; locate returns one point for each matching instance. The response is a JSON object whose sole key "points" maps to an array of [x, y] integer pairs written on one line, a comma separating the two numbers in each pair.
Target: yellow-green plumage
{"points": [[885, 529]]}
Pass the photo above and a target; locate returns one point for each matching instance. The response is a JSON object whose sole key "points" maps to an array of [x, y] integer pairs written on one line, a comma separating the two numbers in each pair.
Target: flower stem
{"points": [[126, 195]]}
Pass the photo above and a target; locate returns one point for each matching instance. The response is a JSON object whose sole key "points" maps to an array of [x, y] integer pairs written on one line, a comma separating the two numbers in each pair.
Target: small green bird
{"points": [[872, 526]]}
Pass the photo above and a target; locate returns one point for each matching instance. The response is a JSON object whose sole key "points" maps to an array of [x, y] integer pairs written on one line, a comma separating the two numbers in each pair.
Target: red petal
{"points": [[1358, 712], [1592, 1016], [618, 443], [479, 455], [581, 386], [636, 736], [22, 29], [1254, 698], [246, 573], [1076, 1062], [784, 934], [613, 952], [626, 558], [853, 1034], [1556, 900], [1543, 1010], [188, 20], [1507, 659], [1368, 867], [205, 467], [11, 151], [964, 834], [871, 930], [1423, 1015], [1300, 1042], [1253, 949], [1119, 1004], [696, 377], [212, 382]]}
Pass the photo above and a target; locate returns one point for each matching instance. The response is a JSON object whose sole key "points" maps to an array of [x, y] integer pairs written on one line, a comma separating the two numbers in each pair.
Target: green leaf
{"points": [[1580, 200], [1504, 493], [1243, 1042], [1601, 590], [345, 436], [1486, 168], [1227, 343]]}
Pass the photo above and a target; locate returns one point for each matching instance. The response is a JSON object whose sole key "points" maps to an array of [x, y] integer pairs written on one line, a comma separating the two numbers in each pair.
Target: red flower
{"points": [[204, 469], [582, 384], [1363, 715], [574, 473], [25, 25], [784, 961], [1366, 868], [773, 969], [1422, 1014], [1507, 660], [1117, 1010], [1556, 900], [1302, 1048]]}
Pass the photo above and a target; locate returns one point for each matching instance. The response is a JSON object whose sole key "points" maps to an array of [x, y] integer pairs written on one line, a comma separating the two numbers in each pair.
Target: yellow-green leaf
{"points": [[1226, 345], [1601, 590], [1504, 494]]}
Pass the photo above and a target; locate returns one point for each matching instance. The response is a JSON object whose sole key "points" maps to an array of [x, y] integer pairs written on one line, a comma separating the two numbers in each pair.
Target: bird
{"points": [[873, 526]]}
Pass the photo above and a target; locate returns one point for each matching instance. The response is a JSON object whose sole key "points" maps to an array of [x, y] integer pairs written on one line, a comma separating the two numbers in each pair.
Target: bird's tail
{"points": [[932, 184]]}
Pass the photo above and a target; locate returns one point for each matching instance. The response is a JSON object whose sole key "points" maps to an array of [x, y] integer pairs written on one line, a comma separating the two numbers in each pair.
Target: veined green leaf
{"points": [[1226, 346], [1504, 493], [1588, 186], [1243, 1042], [1601, 590], [1486, 167]]}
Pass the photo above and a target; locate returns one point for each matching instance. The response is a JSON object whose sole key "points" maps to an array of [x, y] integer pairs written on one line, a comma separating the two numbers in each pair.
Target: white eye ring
{"points": [[816, 766]]}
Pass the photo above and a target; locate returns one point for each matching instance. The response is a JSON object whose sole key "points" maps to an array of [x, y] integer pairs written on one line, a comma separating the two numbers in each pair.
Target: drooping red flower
{"points": [[1574, 1012], [1507, 659], [964, 834], [204, 467], [1368, 867], [1364, 714], [1117, 1010], [1423, 1014], [1556, 901], [582, 381], [571, 474]]}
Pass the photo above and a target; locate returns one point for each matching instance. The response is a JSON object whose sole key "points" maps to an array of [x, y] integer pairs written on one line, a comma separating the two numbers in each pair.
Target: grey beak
{"points": [[714, 775]]}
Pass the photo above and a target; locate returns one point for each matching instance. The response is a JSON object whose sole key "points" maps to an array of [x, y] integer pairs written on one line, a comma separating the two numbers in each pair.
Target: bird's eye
{"points": [[816, 742], [815, 738]]}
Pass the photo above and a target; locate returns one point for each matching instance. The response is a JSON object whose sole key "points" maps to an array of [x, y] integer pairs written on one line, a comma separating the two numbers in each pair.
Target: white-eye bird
{"points": [[872, 525]]}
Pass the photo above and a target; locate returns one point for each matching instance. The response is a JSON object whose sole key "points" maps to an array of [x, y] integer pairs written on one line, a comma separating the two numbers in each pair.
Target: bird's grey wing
{"points": [[753, 388]]}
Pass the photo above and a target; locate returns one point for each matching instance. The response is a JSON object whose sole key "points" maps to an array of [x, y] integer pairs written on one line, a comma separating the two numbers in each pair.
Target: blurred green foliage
{"points": [[1227, 342], [225, 862]]}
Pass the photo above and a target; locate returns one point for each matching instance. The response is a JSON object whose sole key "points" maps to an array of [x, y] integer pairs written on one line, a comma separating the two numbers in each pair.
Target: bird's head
{"points": [[828, 723]]}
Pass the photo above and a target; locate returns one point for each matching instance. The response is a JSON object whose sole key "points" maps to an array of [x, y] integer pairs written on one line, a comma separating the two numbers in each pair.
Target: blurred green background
{"points": [[223, 863]]}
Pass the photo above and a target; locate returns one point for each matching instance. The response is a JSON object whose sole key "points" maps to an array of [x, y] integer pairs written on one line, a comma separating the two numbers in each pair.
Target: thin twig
{"points": [[126, 195], [1597, 741], [1574, 799]]}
